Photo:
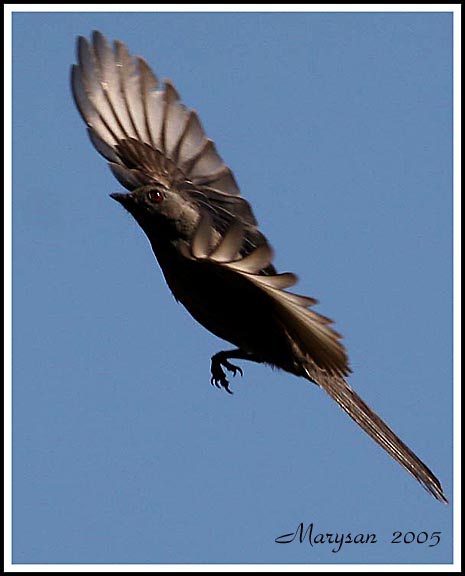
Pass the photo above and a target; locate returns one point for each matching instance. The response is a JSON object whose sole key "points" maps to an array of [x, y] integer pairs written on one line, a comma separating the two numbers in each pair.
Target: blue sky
{"points": [[338, 128]]}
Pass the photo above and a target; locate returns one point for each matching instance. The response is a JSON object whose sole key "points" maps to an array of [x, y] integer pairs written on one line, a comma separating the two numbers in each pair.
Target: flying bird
{"points": [[206, 239]]}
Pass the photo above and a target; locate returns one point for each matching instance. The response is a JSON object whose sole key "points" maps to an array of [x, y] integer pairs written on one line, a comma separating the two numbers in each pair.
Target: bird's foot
{"points": [[218, 378]]}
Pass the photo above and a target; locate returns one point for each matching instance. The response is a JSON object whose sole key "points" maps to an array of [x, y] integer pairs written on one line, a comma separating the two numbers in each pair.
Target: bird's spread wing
{"points": [[144, 131], [316, 346], [309, 330]]}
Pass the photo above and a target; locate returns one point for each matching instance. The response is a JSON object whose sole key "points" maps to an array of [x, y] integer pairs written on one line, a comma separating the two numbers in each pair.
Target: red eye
{"points": [[155, 196]]}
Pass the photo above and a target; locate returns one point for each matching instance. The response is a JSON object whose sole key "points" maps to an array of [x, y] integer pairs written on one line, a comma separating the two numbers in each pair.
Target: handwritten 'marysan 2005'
{"points": [[313, 537]]}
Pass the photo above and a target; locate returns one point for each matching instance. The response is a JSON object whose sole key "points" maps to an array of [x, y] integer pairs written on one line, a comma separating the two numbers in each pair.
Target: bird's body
{"points": [[206, 239], [210, 295]]}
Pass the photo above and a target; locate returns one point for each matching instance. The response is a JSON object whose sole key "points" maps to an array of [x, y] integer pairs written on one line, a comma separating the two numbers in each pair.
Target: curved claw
{"points": [[218, 379], [236, 370], [220, 382], [232, 368]]}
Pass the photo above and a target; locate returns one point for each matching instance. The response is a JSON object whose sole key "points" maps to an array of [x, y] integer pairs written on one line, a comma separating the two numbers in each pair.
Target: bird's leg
{"points": [[221, 359]]}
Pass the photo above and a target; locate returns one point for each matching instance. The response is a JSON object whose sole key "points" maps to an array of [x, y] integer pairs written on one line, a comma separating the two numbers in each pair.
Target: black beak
{"points": [[126, 200], [121, 198]]}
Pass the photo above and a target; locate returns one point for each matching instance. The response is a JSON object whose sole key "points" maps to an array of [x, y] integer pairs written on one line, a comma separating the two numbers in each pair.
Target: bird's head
{"points": [[161, 211]]}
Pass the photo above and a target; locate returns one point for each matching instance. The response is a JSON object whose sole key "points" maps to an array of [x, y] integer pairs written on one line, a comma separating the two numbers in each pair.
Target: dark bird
{"points": [[205, 236]]}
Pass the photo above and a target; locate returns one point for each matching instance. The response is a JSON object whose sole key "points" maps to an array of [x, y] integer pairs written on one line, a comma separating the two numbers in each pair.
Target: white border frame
{"points": [[9, 9]]}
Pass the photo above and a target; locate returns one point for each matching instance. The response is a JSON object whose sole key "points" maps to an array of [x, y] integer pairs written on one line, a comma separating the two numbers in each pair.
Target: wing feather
{"points": [[202, 239], [97, 121], [230, 245], [110, 84], [131, 85]]}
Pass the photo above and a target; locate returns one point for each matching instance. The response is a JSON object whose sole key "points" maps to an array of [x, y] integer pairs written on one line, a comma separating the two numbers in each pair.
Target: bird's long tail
{"points": [[369, 421]]}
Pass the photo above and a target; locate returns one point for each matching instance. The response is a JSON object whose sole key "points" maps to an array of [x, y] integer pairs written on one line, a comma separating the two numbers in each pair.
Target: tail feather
{"points": [[372, 424]]}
